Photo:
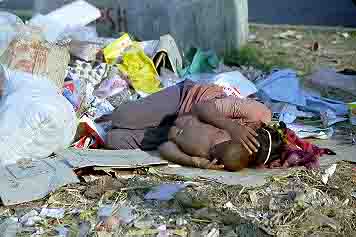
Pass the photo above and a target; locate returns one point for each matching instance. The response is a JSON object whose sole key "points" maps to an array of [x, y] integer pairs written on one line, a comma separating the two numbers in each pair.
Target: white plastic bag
{"points": [[35, 119], [234, 83], [8, 29], [235, 80]]}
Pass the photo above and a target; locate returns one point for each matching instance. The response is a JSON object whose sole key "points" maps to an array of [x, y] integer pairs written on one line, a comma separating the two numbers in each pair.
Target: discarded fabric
{"points": [[284, 86]]}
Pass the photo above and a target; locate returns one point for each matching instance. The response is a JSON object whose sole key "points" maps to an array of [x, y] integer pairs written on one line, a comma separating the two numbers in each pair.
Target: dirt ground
{"points": [[296, 204], [306, 48]]}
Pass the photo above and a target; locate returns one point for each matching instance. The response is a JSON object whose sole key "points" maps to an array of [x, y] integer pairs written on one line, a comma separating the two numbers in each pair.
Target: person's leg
{"points": [[148, 112], [145, 139], [145, 124], [124, 139]]}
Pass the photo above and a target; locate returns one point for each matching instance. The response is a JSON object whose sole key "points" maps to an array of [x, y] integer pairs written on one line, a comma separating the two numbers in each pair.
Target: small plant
{"points": [[252, 56]]}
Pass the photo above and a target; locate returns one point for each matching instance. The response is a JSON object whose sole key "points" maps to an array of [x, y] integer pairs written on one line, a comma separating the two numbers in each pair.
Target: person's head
{"points": [[271, 142], [232, 155], [235, 157]]}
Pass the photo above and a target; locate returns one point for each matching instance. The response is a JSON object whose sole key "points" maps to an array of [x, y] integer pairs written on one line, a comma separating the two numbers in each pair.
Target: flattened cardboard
{"points": [[20, 184], [122, 159]]}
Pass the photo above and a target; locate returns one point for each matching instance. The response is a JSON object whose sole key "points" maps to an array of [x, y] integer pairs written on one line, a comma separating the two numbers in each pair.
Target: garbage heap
{"points": [[58, 76]]}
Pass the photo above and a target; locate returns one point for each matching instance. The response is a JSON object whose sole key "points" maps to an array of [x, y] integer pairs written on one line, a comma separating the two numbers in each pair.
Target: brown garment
{"points": [[144, 124]]}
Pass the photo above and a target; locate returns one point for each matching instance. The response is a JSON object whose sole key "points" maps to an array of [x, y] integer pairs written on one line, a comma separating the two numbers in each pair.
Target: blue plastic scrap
{"points": [[284, 86], [164, 192]]}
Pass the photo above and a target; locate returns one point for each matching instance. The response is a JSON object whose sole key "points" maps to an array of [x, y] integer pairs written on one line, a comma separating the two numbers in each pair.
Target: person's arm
{"points": [[171, 152], [220, 113]]}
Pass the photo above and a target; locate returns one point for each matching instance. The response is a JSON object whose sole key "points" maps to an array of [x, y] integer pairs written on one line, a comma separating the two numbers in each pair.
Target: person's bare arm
{"points": [[210, 113], [171, 152]]}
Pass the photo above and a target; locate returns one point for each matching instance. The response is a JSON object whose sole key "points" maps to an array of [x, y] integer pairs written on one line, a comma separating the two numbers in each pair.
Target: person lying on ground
{"points": [[144, 124], [200, 145]]}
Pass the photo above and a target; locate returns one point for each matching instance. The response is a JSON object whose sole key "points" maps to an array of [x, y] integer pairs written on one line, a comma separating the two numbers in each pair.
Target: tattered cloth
{"points": [[299, 152]]}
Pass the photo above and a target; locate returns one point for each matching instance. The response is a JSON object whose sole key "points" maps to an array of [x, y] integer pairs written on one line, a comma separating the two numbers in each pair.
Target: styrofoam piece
{"points": [[76, 14]]}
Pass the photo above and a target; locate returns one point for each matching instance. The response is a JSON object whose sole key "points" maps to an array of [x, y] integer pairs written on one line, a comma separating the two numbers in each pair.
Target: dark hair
{"points": [[267, 151]]}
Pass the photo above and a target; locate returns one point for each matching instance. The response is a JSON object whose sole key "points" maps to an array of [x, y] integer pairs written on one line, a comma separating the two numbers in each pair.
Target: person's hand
{"points": [[245, 135], [203, 163]]}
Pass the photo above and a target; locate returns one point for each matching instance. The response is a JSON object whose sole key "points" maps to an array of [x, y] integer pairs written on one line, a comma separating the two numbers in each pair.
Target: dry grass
{"points": [[268, 50]]}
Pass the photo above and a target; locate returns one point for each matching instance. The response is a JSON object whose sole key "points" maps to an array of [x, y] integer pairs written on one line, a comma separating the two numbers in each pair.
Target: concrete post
{"points": [[212, 24]]}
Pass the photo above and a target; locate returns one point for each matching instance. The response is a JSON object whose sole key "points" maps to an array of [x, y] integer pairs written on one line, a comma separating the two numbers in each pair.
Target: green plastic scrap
{"points": [[201, 62]]}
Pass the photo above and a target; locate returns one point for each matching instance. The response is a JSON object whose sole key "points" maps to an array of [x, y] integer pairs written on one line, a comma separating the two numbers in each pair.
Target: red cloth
{"points": [[299, 152]]}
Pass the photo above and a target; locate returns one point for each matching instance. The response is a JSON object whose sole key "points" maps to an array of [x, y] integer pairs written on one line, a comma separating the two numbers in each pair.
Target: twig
{"points": [[299, 217], [242, 190], [134, 188], [289, 214], [201, 221]]}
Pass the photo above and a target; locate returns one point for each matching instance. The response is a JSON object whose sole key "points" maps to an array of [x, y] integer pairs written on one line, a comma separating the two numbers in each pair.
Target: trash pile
{"points": [[57, 77], [57, 55]]}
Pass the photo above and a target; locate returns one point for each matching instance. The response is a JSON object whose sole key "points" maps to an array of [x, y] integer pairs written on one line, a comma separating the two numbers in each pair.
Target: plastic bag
{"points": [[116, 49], [234, 83], [134, 63], [35, 119], [112, 85], [169, 78], [8, 29], [72, 91], [140, 70], [202, 62]]}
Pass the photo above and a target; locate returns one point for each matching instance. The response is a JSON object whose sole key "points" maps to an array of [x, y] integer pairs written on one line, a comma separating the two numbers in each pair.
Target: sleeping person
{"points": [[200, 145]]}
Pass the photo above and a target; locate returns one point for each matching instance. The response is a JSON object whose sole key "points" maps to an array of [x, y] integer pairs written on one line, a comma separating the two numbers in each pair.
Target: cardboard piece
{"points": [[252, 177], [34, 180], [37, 58], [123, 159], [167, 54], [19, 184]]}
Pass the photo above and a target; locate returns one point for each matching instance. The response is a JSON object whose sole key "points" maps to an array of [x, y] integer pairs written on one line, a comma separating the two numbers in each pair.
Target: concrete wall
{"points": [[213, 24], [294, 12]]}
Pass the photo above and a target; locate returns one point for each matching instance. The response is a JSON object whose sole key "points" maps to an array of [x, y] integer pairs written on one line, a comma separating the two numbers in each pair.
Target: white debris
{"points": [[328, 173], [53, 213], [30, 219]]}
